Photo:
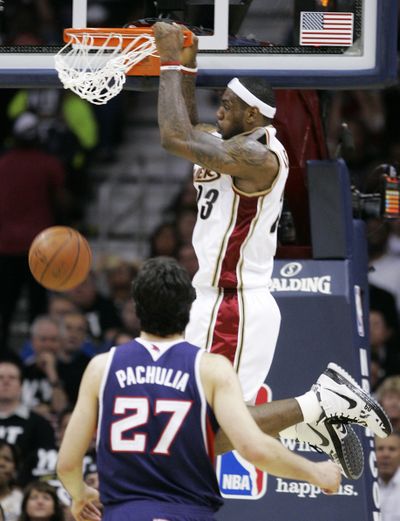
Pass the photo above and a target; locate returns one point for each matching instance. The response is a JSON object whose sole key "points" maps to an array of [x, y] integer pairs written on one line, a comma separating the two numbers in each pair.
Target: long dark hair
{"points": [[15, 456], [42, 486]]}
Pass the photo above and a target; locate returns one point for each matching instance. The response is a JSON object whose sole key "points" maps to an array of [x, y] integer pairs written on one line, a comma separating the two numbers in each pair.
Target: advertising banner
{"points": [[324, 307]]}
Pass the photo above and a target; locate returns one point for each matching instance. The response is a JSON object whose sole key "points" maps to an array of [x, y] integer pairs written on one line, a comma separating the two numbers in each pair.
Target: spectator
{"points": [[122, 337], [130, 327], [377, 373], [32, 191], [385, 301], [42, 389], [385, 271], [384, 342], [58, 306], [40, 503], [185, 221], [185, 200], [32, 434], [363, 111], [394, 238], [67, 128], [388, 395], [75, 333], [91, 476], [186, 256], [130, 320], [100, 311], [89, 461], [384, 335], [119, 275], [10, 495], [73, 355], [388, 464], [164, 241]]}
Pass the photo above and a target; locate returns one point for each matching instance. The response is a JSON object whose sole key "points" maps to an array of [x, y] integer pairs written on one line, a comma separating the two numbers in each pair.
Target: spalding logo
{"points": [[291, 269]]}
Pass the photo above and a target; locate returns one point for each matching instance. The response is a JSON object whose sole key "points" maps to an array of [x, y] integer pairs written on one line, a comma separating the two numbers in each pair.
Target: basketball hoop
{"points": [[94, 62]]}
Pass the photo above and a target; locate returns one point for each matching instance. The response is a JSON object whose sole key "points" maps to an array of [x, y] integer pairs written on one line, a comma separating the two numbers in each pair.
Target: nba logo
{"points": [[237, 478]]}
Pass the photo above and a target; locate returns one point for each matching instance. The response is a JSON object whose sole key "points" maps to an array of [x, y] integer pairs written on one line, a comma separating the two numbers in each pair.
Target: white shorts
{"points": [[242, 325]]}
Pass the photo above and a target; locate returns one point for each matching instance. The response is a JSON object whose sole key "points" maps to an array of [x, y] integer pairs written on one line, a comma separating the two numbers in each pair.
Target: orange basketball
{"points": [[60, 258]]}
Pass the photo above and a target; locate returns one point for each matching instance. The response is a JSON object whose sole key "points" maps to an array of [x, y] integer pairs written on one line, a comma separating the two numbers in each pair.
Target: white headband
{"points": [[244, 94]]}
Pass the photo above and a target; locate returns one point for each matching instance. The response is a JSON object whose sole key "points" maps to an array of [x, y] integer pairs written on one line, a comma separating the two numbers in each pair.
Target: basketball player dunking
{"points": [[239, 174]]}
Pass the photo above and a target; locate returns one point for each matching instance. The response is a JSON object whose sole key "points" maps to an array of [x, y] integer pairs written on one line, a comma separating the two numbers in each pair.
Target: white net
{"points": [[98, 73]]}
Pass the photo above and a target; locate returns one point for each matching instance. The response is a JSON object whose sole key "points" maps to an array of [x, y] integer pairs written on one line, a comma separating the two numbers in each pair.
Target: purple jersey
{"points": [[156, 430]]}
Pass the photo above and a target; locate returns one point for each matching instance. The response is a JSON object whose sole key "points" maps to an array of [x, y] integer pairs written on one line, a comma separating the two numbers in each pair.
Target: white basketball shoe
{"points": [[344, 401], [338, 441]]}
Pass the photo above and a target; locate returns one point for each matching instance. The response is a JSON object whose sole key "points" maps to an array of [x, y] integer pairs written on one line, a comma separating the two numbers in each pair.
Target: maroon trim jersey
{"points": [[156, 431], [235, 240], [235, 236]]}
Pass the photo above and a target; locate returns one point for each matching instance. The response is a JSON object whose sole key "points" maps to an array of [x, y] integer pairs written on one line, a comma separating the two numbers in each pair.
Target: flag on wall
{"points": [[322, 28]]}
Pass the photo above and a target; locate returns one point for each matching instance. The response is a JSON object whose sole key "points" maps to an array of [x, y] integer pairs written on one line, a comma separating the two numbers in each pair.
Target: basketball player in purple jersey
{"points": [[153, 401], [239, 174]]}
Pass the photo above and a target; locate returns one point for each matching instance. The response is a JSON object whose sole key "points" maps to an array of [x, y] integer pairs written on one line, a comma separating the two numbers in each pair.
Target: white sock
{"points": [[311, 409], [309, 406]]}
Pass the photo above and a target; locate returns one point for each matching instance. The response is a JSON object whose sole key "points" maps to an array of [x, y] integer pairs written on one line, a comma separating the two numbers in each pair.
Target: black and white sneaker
{"points": [[338, 441], [344, 401]]}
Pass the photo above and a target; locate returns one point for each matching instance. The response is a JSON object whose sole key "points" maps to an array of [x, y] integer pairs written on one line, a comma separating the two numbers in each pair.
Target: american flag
{"points": [[333, 29]]}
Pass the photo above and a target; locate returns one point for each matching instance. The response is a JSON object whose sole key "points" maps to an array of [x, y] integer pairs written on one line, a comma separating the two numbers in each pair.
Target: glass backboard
{"points": [[293, 43]]}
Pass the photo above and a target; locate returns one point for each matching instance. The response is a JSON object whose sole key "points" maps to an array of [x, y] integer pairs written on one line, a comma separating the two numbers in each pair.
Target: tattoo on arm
{"points": [[189, 95], [173, 119], [221, 156], [245, 151]]}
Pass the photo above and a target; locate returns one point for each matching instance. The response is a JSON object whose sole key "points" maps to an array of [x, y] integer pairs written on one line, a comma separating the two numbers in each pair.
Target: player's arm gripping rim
{"points": [[224, 394], [241, 156], [188, 59], [76, 441]]}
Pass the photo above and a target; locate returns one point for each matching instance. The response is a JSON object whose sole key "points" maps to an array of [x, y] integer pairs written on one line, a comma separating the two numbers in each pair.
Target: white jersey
{"points": [[235, 236]]}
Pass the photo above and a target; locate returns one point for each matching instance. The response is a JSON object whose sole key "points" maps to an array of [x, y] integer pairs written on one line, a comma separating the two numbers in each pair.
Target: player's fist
{"points": [[189, 53], [169, 41], [328, 476], [87, 506]]}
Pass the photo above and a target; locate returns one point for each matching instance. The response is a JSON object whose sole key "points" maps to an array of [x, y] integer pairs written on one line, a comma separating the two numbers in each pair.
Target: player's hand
{"points": [[189, 54], [169, 41], [87, 507], [328, 476]]}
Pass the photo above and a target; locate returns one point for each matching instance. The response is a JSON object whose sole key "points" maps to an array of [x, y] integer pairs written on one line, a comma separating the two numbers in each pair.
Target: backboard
{"points": [[293, 43]]}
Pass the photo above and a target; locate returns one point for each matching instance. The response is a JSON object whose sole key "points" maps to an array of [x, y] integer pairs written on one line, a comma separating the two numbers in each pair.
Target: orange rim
{"points": [[101, 34]]}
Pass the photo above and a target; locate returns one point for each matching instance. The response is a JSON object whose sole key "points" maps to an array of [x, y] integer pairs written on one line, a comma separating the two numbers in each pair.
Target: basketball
{"points": [[60, 258]]}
